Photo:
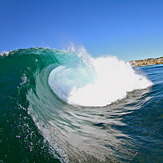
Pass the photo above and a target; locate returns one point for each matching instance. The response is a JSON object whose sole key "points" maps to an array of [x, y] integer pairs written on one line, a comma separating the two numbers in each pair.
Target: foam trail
{"points": [[104, 81]]}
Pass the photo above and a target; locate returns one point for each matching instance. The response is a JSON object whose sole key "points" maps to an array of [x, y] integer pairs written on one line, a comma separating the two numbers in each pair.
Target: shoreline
{"points": [[144, 62]]}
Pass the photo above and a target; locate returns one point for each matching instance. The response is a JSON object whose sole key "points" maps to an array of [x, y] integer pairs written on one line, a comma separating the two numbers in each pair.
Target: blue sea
{"points": [[67, 106]]}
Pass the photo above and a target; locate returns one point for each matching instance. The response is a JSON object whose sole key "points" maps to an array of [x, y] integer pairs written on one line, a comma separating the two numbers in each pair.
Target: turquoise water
{"points": [[48, 112]]}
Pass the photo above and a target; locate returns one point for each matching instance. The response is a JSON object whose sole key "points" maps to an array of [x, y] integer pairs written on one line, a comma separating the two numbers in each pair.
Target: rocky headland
{"points": [[149, 61]]}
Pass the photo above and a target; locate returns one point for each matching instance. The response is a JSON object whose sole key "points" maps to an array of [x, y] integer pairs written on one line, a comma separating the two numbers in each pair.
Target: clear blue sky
{"points": [[129, 29]]}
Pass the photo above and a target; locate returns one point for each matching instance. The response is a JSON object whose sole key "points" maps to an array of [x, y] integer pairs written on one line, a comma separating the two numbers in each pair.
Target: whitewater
{"points": [[67, 106], [95, 82]]}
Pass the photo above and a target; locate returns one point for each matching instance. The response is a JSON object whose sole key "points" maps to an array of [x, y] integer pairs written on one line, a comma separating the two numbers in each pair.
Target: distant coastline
{"points": [[149, 61]]}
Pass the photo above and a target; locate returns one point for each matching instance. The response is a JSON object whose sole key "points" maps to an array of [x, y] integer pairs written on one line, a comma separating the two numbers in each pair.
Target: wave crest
{"points": [[95, 81]]}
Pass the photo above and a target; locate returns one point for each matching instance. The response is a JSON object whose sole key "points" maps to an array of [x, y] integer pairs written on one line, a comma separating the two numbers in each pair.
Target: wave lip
{"points": [[104, 81]]}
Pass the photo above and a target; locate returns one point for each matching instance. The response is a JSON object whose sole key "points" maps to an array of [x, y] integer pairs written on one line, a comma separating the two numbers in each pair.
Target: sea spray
{"points": [[95, 81]]}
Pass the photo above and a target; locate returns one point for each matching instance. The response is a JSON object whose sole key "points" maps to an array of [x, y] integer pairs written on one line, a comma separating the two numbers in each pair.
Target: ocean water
{"points": [[66, 106]]}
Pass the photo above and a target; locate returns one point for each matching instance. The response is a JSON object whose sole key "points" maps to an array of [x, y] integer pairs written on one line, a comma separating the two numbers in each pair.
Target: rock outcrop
{"points": [[149, 61]]}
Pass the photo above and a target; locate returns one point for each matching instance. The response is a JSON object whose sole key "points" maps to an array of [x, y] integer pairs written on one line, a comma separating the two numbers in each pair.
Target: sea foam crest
{"points": [[4, 53], [107, 80]]}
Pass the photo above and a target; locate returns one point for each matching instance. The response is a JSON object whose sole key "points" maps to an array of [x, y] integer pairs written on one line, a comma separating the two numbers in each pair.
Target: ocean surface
{"points": [[66, 106]]}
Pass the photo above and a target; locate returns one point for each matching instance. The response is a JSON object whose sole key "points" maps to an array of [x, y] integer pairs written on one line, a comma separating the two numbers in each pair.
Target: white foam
{"points": [[113, 79], [4, 53], [24, 79]]}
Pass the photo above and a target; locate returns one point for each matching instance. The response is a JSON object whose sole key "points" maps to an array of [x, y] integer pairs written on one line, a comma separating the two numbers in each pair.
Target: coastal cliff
{"points": [[149, 61]]}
